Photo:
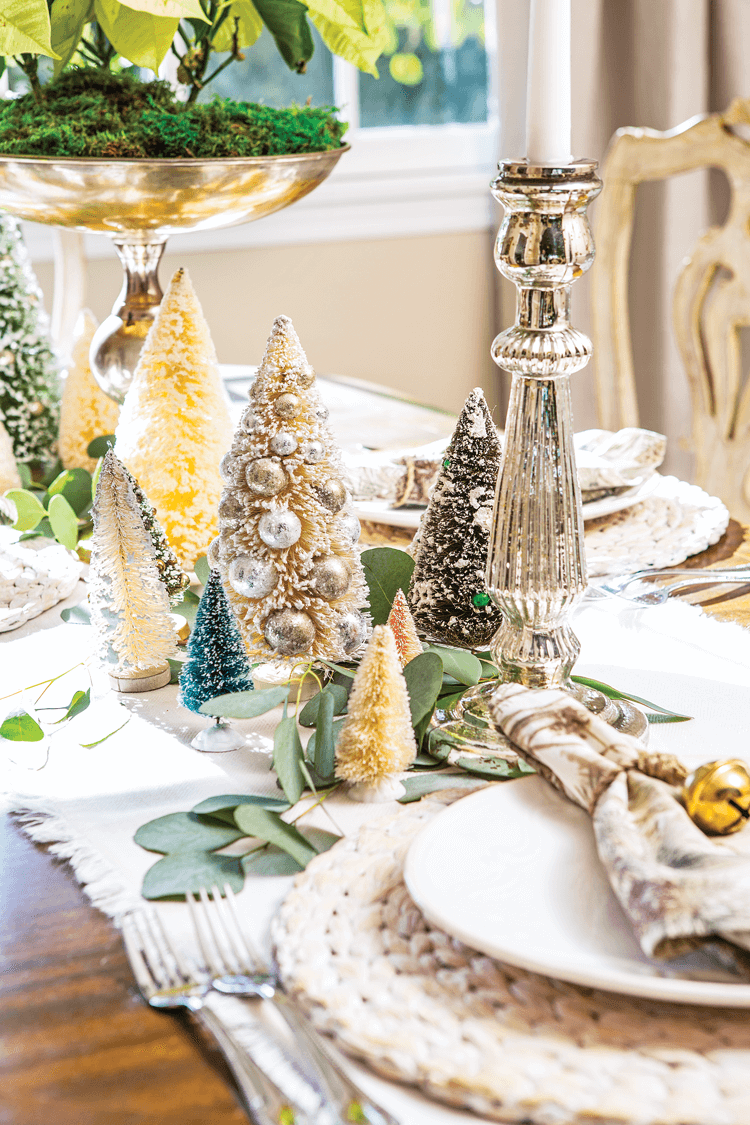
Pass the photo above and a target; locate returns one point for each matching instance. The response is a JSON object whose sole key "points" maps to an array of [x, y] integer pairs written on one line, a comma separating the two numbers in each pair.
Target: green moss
{"points": [[93, 113]]}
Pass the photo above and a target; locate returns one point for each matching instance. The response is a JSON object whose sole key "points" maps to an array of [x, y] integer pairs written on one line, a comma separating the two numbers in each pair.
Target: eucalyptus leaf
{"points": [[100, 445], [202, 570], [184, 832], [24, 473], [29, 509], [426, 762], [270, 860], [185, 872], [615, 693], [287, 756], [188, 608], [424, 678], [324, 755], [308, 716], [80, 701], [347, 673], [99, 741], [668, 718], [245, 704], [63, 522], [489, 670], [76, 614], [229, 802], [492, 768], [386, 571], [321, 840], [20, 727], [448, 702], [175, 668], [267, 825], [422, 784], [75, 486], [463, 666], [311, 750]]}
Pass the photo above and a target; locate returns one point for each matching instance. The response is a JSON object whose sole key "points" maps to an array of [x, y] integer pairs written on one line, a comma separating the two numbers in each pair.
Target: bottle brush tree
{"points": [[129, 604], [174, 424], [86, 412], [216, 659], [408, 644], [376, 742], [287, 551], [447, 594]]}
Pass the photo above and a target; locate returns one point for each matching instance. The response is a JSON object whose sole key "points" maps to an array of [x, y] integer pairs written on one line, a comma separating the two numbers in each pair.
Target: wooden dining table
{"points": [[78, 1044]]}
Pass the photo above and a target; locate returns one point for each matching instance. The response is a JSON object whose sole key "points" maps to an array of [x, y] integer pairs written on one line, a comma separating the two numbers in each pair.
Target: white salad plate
{"points": [[513, 871]]}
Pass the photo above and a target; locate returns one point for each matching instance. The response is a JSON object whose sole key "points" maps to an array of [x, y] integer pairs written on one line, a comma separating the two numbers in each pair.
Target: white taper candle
{"points": [[548, 90]]}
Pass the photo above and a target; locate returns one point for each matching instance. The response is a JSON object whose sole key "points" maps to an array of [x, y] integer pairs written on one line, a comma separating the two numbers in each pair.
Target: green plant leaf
{"points": [[463, 666], [248, 23], [77, 614], [100, 445], [668, 718], [324, 754], [202, 570], [24, 473], [356, 32], [63, 521], [287, 758], [492, 768], [176, 9], [422, 784], [229, 802], [99, 741], [312, 750], [426, 762], [79, 703], [308, 716], [245, 704], [68, 18], [29, 510], [386, 571], [449, 700], [75, 486], [175, 668], [615, 693], [139, 36], [267, 825], [20, 727], [287, 22], [424, 678], [184, 832], [174, 876], [25, 28], [188, 607], [270, 860], [489, 670]]}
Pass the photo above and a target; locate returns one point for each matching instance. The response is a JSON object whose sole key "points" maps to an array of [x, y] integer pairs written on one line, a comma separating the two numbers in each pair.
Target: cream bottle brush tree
{"points": [[174, 424], [286, 552], [85, 412], [129, 604], [376, 742]]}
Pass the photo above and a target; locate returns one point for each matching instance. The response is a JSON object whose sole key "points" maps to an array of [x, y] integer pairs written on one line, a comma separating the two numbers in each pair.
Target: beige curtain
{"points": [[655, 63]]}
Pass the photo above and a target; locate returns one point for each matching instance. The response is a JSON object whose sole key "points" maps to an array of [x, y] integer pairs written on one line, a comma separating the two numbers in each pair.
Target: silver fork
{"points": [[167, 979], [237, 969], [735, 575]]}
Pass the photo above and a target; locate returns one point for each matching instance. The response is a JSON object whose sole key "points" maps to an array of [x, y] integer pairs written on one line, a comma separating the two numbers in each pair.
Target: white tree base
{"points": [[218, 739], [381, 789], [146, 680]]}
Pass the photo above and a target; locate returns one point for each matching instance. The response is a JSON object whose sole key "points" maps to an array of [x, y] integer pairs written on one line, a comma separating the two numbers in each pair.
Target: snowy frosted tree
{"points": [[376, 742], [175, 580], [86, 412], [404, 631], [447, 594], [129, 605], [174, 424], [9, 477], [287, 551], [29, 387], [216, 660]]}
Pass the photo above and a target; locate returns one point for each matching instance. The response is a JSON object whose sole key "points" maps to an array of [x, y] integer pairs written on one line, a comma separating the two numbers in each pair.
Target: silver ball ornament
{"points": [[252, 577], [330, 577], [332, 494], [230, 506], [306, 376], [287, 406], [321, 412], [313, 452], [283, 443], [228, 467], [349, 528], [279, 529], [213, 553], [353, 630], [289, 631], [249, 422], [265, 477]]}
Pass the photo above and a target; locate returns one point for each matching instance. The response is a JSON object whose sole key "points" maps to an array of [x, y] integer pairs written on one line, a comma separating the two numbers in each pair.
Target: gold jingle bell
{"points": [[717, 796]]}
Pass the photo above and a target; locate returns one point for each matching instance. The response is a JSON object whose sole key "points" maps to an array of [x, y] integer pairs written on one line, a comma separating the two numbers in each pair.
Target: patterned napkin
{"points": [[680, 888]]}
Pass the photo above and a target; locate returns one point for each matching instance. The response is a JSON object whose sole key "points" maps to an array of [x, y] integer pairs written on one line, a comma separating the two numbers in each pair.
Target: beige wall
{"points": [[412, 313]]}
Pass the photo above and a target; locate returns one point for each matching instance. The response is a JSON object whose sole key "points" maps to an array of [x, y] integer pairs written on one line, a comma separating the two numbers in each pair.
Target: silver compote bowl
{"points": [[139, 204]]}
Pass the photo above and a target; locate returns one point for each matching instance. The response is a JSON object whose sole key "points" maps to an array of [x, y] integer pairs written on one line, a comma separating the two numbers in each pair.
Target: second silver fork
{"points": [[238, 970]]}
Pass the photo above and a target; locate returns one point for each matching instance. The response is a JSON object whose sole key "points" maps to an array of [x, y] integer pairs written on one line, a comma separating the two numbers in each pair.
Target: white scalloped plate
{"points": [[513, 871]]}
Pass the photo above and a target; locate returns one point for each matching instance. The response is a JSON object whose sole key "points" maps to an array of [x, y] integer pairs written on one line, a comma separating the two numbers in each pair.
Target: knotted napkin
{"points": [[680, 888]]}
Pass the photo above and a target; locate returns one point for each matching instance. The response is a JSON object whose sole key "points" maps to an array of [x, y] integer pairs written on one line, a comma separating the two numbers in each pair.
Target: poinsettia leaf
{"points": [[463, 666], [75, 486], [267, 825], [25, 28], [139, 36], [29, 509], [424, 678], [63, 521], [287, 22], [245, 704], [20, 727], [422, 784], [177, 9], [287, 759], [308, 716], [174, 876], [242, 17], [68, 19], [184, 831], [386, 571]]}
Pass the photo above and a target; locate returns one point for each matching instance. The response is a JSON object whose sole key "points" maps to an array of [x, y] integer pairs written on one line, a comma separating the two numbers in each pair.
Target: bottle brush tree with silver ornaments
{"points": [[286, 549]]}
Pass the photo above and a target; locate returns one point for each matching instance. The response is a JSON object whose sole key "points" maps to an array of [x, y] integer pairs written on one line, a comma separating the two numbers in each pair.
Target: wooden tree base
{"points": [[146, 680]]}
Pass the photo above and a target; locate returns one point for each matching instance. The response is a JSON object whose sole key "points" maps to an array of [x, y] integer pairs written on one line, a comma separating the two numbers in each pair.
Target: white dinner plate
{"points": [[513, 871], [379, 511]]}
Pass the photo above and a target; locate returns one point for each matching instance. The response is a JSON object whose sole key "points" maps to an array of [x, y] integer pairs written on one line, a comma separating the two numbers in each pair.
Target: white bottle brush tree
{"points": [[286, 549]]}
